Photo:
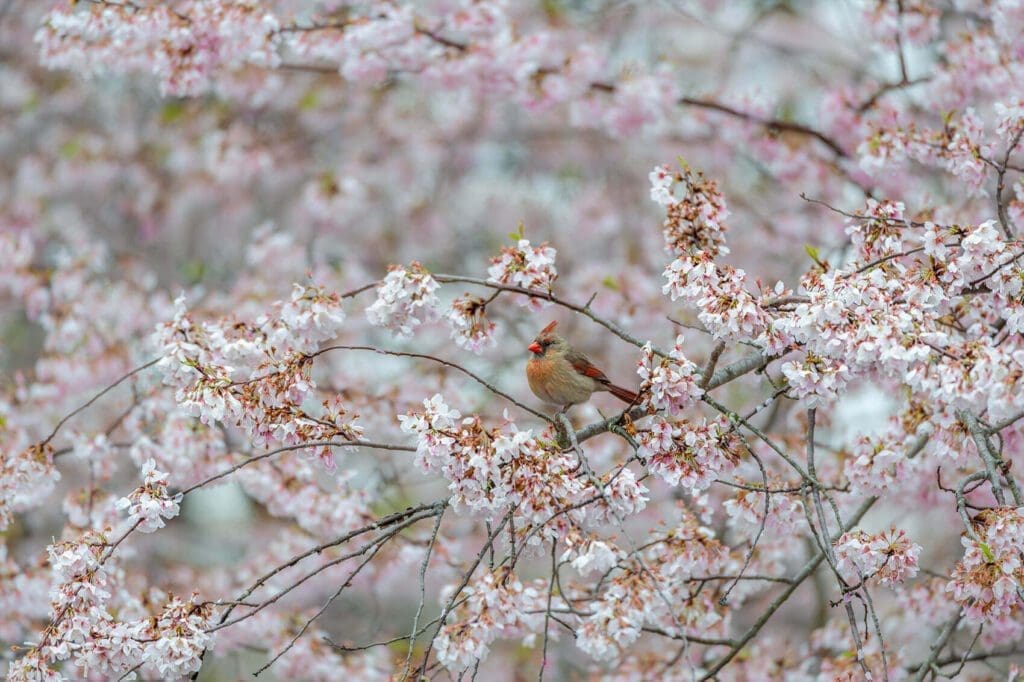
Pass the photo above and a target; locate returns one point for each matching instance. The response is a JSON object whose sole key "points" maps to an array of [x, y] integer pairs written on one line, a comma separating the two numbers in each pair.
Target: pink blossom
{"points": [[987, 581], [497, 605], [526, 267], [887, 558], [598, 556], [669, 384], [696, 222], [181, 637], [687, 454], [816, 379], [470, 327], [150, 504], [405, 300]]}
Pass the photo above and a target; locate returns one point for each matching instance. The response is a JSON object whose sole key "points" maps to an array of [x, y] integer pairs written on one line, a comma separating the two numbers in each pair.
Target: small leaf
{"points": [[610, 282], [986, 552], [171, 112], [308, 101], [193, 271], [70, 149]]}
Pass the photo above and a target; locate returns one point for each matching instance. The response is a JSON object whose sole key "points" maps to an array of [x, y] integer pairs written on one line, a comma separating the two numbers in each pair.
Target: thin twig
{"points": [[300, 446], [709, 368], [548, 296], [309, 621], [450, 604], [1004, 219], [993, 463], [937, 646], [547, 612], [796, 581], [96, 397], [423, 595], [447, 363]]}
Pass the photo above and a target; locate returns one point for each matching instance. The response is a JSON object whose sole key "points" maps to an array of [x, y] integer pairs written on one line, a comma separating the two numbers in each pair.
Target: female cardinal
{"points": [[561, 375]]}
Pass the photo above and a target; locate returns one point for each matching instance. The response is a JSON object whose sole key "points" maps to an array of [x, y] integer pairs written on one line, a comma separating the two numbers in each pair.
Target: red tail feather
{"points": [[623, 394]]}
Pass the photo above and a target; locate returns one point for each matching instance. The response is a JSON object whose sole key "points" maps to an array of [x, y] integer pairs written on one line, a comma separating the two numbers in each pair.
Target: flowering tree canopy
{"points": [[268, 274]]}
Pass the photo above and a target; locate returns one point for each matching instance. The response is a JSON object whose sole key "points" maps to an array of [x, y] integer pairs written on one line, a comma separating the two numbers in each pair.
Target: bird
{"points": [[561, 375]]}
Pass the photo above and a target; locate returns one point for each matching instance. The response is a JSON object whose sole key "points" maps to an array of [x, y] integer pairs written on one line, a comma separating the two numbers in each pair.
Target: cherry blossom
{"points": [[886, 558], [470, 327], [495, 606], [670, 384], [812, 263], [150, 504], [405, 300], [526, 267], [689, 455], [987, 581]]}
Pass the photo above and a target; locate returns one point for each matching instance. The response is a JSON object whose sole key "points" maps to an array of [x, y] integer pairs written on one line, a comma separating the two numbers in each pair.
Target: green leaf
{"points": [[610, 282], [70, 149], [812, 251], [986, 552], [308, 101], [193, 271], [553, 8], [171, 112]]}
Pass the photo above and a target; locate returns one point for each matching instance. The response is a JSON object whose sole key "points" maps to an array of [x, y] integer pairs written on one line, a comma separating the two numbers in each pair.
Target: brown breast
{"points": [[558, 383]]}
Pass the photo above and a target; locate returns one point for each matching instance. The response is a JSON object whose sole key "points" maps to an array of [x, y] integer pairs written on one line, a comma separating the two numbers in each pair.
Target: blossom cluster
{"points": [[669, 385], [858, 301], [690, 455], [470, 327], [886, 558], [493, 471], [987, 580], [405, 299], [184, 48], [526, 267], [150, 504], [497, 605], [878, 464], [106, 632], [257, 375], [27, 476], [694, 223], [657, 593]]}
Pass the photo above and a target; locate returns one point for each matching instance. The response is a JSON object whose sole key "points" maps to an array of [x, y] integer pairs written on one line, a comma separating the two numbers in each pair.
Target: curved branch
{"points": [[548, 296], [96, 397], [404, 354], [797, 580]]}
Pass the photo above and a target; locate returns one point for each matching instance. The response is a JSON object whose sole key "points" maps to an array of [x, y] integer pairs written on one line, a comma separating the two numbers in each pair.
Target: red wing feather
{"points": [[584, 367], [550, 328], [581, 364]]}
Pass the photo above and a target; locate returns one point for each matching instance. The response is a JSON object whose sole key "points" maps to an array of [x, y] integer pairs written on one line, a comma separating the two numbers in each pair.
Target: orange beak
{"points": [[534, 348]]}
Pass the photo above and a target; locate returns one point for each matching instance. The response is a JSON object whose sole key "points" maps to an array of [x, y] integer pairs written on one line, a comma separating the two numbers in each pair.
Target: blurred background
{"points": [[272, 176]]}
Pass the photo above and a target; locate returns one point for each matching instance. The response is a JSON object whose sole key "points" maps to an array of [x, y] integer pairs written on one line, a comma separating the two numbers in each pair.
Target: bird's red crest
{"points": [[550, 328]]}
